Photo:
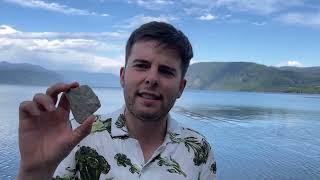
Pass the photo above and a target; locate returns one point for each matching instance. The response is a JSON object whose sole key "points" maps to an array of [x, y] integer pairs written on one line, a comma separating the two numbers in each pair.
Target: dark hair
{"points": [[166, 35]]}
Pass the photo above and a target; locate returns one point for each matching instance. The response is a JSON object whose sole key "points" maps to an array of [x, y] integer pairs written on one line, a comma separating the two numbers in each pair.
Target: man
{"points": [[139, 141]]}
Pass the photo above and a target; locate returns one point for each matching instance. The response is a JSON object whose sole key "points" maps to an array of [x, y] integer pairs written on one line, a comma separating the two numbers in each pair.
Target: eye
{"points": [[167, 72], [140, 66]]}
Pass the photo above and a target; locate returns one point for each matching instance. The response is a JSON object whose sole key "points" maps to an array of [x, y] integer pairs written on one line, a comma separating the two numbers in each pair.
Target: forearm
{"points": [[42, 174]]}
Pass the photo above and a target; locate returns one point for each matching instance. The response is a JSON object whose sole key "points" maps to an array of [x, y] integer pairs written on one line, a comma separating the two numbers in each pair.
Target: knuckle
{"points": [[38, 97], [52, 89], [58, 84], [49, 90], [24, 104]]}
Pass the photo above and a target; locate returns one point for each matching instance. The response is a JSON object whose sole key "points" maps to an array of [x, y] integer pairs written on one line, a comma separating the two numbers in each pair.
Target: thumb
{"points": [[83, 130]]}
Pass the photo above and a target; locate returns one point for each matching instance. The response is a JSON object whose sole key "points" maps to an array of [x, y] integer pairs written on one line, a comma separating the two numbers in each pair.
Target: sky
{"points": [[90, 35]]}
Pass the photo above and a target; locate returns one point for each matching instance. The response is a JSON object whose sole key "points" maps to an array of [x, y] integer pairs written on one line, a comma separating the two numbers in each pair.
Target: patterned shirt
{"points": [[110, 153]]}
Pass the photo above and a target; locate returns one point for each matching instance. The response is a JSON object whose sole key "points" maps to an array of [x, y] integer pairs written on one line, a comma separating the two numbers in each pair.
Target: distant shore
{"points": [[315, 91]]}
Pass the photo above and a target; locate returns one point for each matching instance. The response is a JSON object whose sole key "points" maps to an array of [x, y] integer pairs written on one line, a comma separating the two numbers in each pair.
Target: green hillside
{"points": [[246, 76], [26, 74], [29, 74]]}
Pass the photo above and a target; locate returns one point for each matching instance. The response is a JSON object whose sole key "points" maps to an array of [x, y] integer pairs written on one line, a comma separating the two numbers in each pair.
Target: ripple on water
{"points": [[274, 145]]}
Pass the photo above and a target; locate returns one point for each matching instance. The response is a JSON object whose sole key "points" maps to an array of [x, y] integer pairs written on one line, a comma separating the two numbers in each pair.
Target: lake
{"points": [[253, 135]]}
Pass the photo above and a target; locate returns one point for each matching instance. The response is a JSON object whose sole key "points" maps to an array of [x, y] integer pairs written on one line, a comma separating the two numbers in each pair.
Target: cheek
{"points": [[129, 85], [171, 89]]}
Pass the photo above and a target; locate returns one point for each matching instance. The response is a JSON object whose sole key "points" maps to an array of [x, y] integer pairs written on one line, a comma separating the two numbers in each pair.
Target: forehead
{"points": [[152, 50]]}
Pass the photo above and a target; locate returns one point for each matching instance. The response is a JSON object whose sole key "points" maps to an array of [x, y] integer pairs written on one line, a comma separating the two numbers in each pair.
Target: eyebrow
{"points": [[140, 61], [169, 68], [161, 66]]}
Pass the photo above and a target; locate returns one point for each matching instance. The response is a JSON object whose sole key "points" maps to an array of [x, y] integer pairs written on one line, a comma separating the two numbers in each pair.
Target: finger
{"points": [[64, 103], [74, 85], [56, 89], [83, 130], [44, 101], [28, 108]]}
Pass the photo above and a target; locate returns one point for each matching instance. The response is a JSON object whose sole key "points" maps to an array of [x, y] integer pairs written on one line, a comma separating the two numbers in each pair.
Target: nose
{"points": [[152, 78]]}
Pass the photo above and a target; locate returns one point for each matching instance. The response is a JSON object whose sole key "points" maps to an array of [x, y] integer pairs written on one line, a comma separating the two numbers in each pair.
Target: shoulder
{"points": [[192, 132], [203, 152], [189, 132], [193, 142]]}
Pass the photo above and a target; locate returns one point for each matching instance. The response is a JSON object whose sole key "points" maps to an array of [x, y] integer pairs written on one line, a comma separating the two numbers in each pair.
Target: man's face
{"points": [[152, 80]]}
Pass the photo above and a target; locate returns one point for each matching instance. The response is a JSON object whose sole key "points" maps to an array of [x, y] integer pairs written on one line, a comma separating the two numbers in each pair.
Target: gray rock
{"points": [[83, 102]]}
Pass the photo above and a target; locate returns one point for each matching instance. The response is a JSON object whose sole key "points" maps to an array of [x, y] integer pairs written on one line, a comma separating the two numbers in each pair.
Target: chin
{"points": [[149, 116]]}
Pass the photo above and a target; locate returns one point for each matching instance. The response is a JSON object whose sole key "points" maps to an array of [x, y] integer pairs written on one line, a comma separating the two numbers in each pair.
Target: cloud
{"points": [[204, 9], [141, 19], [305, 19], [61, 45], [254, 6], [294, 63], [194, 10], [9, 32], [55, 7], [291, 63], [63, 53], [207, 17], [193, 61], [63, 60], [153, 4], [259, 23], [4, 29], [260, 7]]}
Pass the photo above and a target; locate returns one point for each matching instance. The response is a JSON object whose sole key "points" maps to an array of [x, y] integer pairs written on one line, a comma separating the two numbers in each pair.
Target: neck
{"points": [[146, 131], [149, 134]]}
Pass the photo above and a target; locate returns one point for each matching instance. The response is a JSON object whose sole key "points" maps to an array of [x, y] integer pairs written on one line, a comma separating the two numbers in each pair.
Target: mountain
{"points": [[247, 76], [27, 74], [233, 76], [306, 70], [91, 79]]}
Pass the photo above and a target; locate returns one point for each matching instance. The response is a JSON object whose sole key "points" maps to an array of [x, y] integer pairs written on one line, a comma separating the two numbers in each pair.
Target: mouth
{"points": [[149, 95]]}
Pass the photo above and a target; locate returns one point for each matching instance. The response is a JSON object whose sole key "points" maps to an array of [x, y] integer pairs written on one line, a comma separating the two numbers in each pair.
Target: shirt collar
{"points": [[119, 128], [118, 125]]}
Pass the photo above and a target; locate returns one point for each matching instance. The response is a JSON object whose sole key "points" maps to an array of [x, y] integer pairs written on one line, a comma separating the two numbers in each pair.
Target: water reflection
{"points": [[244, 113], [254, 135], [259, 142]]}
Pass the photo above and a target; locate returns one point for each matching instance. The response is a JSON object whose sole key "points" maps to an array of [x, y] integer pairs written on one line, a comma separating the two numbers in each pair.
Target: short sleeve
{"points": [[208, 171]]}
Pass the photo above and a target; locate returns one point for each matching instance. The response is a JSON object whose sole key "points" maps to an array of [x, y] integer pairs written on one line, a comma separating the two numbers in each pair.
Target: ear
{"points": [[122, 70], [183, 83]]}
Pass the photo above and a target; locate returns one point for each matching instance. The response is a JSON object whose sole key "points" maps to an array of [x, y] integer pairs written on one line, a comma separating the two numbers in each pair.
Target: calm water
{"points": [[254, 135]]}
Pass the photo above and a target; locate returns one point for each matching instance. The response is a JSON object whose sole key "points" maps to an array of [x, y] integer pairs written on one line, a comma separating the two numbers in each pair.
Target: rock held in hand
{"points": [[83, 102]]}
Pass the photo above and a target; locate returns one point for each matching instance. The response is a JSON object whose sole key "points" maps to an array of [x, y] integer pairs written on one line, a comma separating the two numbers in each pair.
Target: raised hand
{"points": [[45, 134]]}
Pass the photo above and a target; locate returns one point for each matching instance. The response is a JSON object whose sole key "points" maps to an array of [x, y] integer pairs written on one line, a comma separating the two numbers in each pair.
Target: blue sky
{"points": [[90, 35]]}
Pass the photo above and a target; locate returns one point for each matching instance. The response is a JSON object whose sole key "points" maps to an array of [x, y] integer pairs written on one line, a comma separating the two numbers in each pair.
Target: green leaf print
{"points": [[69, 177], [200, 148], [213, 168], [121, 121], [122, 160], [66, 178], [174, 166], [100, 125], [90, 164]]}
